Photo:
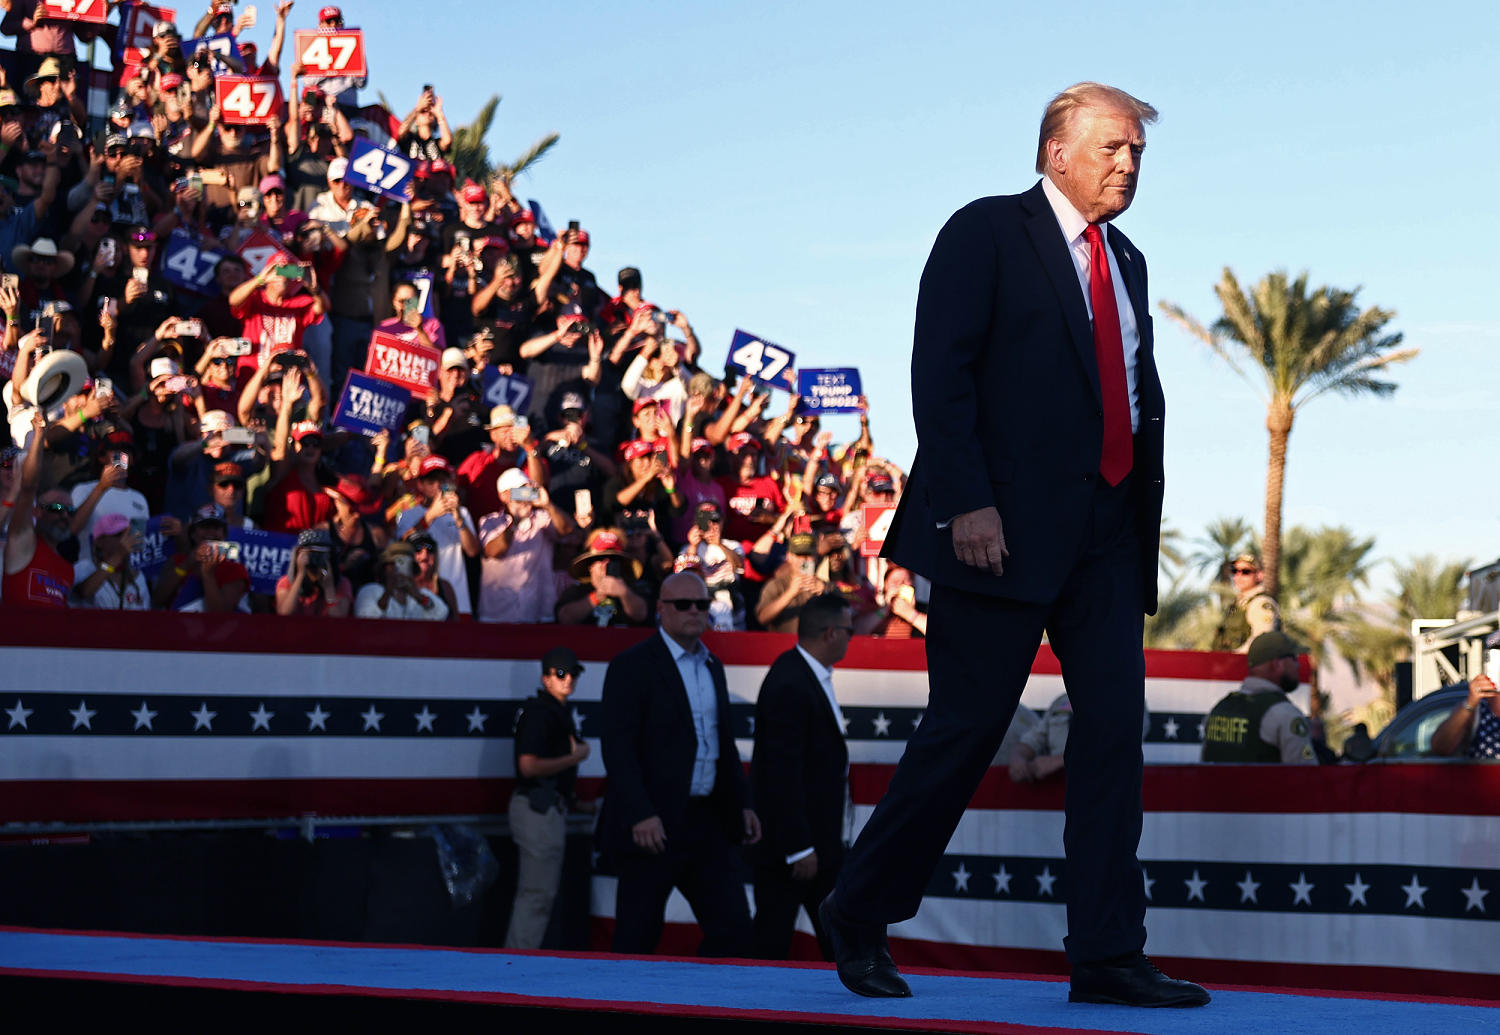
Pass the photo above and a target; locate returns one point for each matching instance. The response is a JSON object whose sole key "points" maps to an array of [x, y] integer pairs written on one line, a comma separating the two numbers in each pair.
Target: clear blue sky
{"points": [[784, 167]]}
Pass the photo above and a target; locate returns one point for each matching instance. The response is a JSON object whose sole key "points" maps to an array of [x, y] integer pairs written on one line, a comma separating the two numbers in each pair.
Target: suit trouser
{"points": [[778, 896], [541, 838], [700, 862], [979, 653]]}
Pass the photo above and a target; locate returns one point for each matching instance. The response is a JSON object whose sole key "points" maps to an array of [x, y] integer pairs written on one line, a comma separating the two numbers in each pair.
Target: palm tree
{"points": [[1179, 620], [1322, 573], [1223, 540], [471, 155], [1303, 345], [1425, 588]]}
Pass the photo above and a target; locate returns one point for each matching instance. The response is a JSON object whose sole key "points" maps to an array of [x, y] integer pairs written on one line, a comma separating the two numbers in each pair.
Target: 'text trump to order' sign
{"points": [[829, 390]]}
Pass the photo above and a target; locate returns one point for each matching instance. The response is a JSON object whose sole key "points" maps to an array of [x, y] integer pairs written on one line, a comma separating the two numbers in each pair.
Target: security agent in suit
{"points": [[799, 775], [678, 803], [1033, 511]]}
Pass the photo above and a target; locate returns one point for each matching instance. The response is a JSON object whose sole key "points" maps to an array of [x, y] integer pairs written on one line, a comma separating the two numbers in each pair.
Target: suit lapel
{"points": [[815, 687], [1052, 250], [671, 678]]}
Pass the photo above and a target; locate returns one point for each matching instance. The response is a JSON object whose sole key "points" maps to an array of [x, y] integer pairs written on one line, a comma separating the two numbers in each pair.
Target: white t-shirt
{"points": [[367, 605], [518, 586], [444, 532], [107, 597]]}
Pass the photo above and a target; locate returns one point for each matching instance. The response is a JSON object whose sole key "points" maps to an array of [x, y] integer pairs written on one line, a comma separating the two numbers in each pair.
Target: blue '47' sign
{"points": [[375, 168], [760, 359], [189, 265]]}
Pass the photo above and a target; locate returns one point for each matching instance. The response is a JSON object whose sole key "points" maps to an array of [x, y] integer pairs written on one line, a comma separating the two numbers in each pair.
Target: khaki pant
{"points": [[540, 838]]}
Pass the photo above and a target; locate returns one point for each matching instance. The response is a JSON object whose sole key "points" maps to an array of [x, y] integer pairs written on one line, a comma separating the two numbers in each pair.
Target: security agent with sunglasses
{"points": [[1251, 612], [548, 751], [678, 803]]}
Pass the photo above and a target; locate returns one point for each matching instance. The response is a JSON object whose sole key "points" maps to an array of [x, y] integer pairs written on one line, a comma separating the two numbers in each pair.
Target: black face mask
{"points": [[1289, 682]]}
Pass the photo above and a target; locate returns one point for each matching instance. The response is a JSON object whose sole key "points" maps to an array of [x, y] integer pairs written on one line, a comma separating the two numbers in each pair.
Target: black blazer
{"points": [[798, 770], [1005, 396], [649, 746]]}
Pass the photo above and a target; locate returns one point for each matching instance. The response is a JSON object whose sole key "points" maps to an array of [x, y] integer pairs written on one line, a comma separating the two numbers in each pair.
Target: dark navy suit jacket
{"points": [[1005, 395]]}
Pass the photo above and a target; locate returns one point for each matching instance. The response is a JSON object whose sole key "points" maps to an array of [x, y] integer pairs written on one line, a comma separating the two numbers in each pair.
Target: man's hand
{"points": [[1020, 769], [805, 868], [650, 835], [112, 477], [611, 586], [580, 750], [752, 827], [1480, 687], [979, 541]]}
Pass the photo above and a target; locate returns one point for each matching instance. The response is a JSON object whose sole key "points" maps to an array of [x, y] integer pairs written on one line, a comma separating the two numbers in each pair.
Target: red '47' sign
{"points": [[877, 519], [74, 10], [409, 364], [247, 100], [330, 52]]}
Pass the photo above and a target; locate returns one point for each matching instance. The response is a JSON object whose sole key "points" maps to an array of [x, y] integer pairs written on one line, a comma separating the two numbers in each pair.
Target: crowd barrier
{"points": [[1378, 876]]}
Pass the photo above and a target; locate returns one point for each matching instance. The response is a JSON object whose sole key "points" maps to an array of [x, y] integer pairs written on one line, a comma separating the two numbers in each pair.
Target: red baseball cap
{"points": [[636, 448], [523, 216], [431, 464], [644, 404], [583, 237], [474, 194], [742, 440], [170, 81], [702, 444], [330, 14]]}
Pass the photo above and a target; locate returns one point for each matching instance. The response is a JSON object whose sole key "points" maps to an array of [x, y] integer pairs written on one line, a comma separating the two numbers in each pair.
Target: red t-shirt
{"points": [[740, 498], [275, 326], [291, 506], [44, 582], [477, 476]]}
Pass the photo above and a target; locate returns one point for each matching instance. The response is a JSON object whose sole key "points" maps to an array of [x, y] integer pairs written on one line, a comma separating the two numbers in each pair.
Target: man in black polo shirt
{"points": [[548, 750]]}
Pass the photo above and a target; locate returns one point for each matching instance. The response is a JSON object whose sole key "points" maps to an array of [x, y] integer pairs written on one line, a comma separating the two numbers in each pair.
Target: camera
{"points": [[704, 520], [614, 568], [238, 437], [525, 494]]}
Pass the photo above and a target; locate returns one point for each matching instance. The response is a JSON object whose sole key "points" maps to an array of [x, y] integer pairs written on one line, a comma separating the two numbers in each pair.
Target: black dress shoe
{"points": [[862, 956], [1131, 980]]}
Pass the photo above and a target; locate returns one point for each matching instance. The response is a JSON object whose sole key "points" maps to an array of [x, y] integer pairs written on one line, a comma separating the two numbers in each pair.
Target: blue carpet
{"points": [[687, 987]]}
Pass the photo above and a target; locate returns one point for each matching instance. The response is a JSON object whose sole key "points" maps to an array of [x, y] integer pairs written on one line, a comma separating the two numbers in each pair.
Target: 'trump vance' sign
{"points": [[409, 364], [370, 405]]}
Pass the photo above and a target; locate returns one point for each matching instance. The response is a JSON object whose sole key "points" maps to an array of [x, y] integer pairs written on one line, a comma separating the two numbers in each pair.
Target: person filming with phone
{"points": [[209, 576], [1472, 730], [313, 585], [278, 304], [397, 594]]}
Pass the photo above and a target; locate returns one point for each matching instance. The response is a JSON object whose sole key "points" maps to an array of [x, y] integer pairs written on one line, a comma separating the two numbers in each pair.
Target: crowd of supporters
{"points": [[205, 405]]}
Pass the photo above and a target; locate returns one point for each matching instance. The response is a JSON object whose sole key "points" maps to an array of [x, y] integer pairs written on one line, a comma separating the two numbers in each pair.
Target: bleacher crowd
{"points": [[185, 296]]}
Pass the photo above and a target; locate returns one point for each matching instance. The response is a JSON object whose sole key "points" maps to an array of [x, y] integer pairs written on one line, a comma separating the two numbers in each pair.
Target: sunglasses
{"points": [[57, 508], [701, 604], [114, 152], [143, 237], [246, 204], [1245, 571], [560, 673], [222, 360], [232, 483]]}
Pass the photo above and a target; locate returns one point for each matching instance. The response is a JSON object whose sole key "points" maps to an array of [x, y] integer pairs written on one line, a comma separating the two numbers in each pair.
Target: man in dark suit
{"points": [[799, 775], [1034, 506], [677, 803]]}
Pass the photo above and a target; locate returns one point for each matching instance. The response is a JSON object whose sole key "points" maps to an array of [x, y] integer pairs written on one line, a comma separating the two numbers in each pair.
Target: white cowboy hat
{"points": [[44, 248], [57, 377]]}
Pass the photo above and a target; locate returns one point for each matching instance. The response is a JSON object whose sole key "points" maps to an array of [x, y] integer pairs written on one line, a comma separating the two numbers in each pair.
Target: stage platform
{"points": [[303, 983]]}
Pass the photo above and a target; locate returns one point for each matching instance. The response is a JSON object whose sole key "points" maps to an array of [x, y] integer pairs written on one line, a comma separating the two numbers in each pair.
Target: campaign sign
{"points": [[247, 100], [545, 235], [186, 263], [511, 390], [829, 389], [220, 46], [384, 172], [370, 405], [421, 279], [877, 520], [409, 364], [760, 359], [266, 556], [330, 52], [136, 22], [259, 249], [95, 11], [155, 550]]}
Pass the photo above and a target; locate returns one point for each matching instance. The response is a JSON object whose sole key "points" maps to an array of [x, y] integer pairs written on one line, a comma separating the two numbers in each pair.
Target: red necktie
{"points": [[1116, 457]]}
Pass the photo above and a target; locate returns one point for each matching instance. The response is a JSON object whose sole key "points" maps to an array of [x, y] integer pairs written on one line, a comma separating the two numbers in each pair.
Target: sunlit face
{"points": [[559, 686], [688, 624], [1097, 161]]}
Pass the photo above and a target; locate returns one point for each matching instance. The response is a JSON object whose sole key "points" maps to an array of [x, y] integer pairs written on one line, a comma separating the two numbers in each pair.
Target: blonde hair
{"points": [[1060, 110]]}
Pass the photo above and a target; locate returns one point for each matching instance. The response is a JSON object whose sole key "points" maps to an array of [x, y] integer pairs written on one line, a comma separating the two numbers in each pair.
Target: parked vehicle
{"points": [[1409, 735]]}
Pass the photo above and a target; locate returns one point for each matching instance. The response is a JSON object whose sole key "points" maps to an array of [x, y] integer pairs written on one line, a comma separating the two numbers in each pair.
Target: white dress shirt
{"points": [[699, 683], [1073, 224]]}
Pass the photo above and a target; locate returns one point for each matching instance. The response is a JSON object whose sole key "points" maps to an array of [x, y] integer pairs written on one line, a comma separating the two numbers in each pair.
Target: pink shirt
{"points": [[518, 586]]}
